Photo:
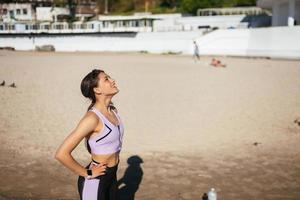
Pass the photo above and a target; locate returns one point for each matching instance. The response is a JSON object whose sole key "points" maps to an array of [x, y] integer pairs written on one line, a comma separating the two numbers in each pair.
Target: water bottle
{"points": [[212, 194]]}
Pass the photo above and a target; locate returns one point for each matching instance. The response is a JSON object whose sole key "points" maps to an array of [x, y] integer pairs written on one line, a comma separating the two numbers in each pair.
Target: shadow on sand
{"points": [[129, 183]]}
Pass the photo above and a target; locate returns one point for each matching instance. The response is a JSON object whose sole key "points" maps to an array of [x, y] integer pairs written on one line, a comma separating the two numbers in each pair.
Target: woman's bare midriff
{"points": [[109, 159]]}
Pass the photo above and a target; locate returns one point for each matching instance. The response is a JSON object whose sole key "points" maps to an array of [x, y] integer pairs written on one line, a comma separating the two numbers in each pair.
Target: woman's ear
{"points": [[97, 90]]}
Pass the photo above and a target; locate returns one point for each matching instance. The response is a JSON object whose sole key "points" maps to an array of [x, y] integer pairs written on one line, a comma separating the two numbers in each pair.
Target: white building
{"points": [[50, 13], [16, 12], [126, 23], [285, 12], [219, 22], [230, 11]]}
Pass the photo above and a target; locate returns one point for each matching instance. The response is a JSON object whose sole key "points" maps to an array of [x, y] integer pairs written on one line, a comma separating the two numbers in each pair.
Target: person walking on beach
{"points": [[102, 129], [196, 55]]}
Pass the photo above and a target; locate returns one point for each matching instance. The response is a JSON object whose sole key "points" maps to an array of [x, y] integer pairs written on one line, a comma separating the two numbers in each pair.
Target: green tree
{"points": [[191, 6], [60, 3], [168, 3], [245, 3]]}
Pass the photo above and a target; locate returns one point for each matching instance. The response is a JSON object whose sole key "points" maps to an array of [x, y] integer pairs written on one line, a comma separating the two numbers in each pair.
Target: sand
{"points": [[193, 125]]}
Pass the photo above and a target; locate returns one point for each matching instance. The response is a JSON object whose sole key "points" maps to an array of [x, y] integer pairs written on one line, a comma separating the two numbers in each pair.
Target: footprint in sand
{"points": [[256, 143], [13, 85]]}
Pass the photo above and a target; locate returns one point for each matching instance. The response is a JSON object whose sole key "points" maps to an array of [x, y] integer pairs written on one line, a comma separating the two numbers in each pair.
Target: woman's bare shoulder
{"points": [[89, 118]]}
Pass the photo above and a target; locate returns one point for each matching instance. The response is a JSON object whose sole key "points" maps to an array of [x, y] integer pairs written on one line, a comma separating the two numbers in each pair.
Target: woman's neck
{"points": [[103, 105]]}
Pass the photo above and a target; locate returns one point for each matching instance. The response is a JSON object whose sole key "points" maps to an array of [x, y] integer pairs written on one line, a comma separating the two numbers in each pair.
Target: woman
{"points": [[102, 129]]}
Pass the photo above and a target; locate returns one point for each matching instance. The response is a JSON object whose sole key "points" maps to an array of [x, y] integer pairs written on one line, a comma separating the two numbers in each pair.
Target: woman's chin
{"points": [[116, 91]]}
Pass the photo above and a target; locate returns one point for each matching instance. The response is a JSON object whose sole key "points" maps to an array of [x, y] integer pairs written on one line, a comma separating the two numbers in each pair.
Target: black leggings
{"points": [[103, 187]]}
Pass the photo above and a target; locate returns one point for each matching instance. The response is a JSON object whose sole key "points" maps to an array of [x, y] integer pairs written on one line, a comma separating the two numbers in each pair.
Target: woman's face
{"points": [[106, 85]]}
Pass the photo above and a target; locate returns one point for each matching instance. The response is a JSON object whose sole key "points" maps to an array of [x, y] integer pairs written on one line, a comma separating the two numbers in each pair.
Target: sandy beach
{"points": [[193, 126]]}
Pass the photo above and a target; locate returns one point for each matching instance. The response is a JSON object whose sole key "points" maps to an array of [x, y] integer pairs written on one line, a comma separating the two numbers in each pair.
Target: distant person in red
{"points": [[216, 63]]}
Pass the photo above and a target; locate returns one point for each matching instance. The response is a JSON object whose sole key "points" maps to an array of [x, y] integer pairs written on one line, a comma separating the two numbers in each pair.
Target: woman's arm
{"points": [[86, 126]]}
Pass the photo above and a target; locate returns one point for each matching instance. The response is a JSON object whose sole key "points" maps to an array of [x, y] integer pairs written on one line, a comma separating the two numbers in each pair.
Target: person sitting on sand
{"points": [[102, 129], [217, 63]]}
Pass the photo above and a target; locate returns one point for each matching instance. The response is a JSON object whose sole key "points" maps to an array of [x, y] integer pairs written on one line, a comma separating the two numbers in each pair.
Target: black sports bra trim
{"points": [[106, 134]]}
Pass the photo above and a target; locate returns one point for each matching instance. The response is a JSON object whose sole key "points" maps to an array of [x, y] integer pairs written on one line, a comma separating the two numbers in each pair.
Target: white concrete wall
{"points": [[276, 42], [164, 42]]}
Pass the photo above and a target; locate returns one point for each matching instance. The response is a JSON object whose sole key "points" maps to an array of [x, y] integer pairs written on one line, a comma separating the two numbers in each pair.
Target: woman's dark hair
{"points": [[88, 83]]}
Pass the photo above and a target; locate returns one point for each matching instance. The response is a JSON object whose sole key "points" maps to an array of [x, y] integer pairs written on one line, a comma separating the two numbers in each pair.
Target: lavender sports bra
{"points": [[109, 139]]}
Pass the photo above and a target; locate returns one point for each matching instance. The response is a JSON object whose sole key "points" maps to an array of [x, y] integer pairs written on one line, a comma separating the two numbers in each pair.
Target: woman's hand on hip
{"points": [[98, 170]]}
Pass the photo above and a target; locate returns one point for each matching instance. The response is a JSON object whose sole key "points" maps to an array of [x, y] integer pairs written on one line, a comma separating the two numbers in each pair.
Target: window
{"points": [[148, 23], [11, 27], [105, 24], [1, 27], [136, 23], [25, 11], [4, 11], [26, 27], [58, 27], [18, 11], [11, 13]]}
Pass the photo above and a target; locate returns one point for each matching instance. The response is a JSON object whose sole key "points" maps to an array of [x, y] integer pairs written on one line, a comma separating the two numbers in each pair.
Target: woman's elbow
{"points": [[58, 155], [61, 155]]}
